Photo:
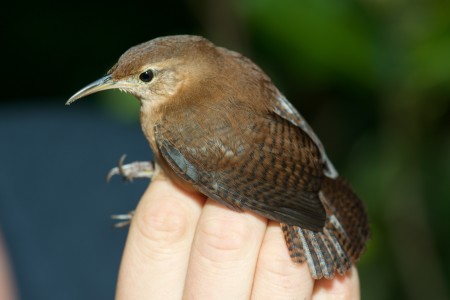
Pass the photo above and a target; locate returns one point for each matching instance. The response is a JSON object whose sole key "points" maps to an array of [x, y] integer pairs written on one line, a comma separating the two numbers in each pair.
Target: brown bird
{"points": [[217, 124]]}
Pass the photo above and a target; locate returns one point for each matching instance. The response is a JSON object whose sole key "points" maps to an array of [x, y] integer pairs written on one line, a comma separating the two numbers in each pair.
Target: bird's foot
{"points": [[137, 169], [124, 219]]}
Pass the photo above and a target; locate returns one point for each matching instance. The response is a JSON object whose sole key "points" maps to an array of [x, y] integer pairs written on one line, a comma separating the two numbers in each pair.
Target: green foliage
{"points": [[394, 58], [123, 106], [325, 37], [371, 76]]}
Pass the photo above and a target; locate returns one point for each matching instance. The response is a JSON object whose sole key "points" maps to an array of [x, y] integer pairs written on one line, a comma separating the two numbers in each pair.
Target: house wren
{"points": [[217, 124]]}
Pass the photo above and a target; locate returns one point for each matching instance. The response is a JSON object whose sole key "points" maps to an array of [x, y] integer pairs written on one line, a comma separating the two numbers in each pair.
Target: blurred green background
{"points": [[371, 76]]}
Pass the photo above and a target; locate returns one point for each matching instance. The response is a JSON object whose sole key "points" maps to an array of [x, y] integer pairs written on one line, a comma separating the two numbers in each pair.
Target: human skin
{"points": [[7, 285], [183, 246]]}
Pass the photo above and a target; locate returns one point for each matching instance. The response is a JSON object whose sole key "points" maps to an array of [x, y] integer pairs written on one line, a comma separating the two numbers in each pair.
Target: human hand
{"points": [[183, 246]]}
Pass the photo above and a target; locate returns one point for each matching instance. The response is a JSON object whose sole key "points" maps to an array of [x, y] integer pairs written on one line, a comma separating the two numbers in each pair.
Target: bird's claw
{"points": [[137, 169], [125, 219]]}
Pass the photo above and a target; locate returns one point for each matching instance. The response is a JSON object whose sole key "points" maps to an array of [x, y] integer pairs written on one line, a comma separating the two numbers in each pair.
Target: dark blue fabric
{"points": [[55, 205]]}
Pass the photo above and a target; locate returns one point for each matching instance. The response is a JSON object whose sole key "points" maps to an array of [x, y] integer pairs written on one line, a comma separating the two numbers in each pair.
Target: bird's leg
{"points": [[124, 219], [137, 169]]}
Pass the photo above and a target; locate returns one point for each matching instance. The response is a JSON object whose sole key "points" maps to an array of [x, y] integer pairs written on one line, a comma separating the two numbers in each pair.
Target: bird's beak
{"points": [[104, 83]]}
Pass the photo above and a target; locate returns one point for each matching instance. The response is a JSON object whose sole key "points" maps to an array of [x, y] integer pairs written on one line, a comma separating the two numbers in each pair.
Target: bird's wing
{"points": [[287, 111], [268, 165]]}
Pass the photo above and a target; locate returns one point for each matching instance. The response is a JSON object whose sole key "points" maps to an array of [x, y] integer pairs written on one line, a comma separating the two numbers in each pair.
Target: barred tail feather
{"points": [[343, 238]]}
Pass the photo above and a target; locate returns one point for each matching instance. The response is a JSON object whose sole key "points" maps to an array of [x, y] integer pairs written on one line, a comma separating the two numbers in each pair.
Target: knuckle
{"points": [[164, 225], [276, 264], [223, 238]]}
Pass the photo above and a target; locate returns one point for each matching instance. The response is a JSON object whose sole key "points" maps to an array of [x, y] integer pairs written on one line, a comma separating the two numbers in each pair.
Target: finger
{"points": [[7, 286], [157, 250], [277, 276], [224, 254], [341, 287]]}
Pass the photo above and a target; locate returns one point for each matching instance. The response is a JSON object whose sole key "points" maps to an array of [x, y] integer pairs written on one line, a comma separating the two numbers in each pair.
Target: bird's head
{"points": [[156, 70]]}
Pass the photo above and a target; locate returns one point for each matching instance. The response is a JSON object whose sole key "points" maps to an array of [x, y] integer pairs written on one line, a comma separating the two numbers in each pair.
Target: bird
{"points": [[218, 125]]}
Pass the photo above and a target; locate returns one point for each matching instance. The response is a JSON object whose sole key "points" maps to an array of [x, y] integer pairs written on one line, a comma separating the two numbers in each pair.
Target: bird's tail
{"points": [[343, 238]]}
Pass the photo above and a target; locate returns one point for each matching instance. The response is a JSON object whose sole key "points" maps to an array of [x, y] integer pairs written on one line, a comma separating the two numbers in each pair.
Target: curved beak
{"points": [[104, 83]]}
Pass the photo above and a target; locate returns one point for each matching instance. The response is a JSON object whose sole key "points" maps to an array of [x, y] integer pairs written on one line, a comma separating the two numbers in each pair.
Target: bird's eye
{"points": [[146, 76]]}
